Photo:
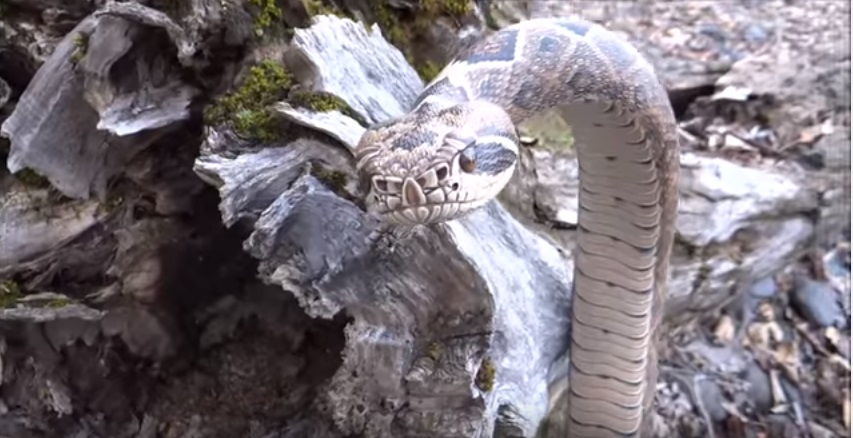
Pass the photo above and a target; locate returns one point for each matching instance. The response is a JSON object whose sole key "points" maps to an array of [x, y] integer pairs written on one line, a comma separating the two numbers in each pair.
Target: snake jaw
{"points": [[442, 193], [426, 198], [459, 177]]}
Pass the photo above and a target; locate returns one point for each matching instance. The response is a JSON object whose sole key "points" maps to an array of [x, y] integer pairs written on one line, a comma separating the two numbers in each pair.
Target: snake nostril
{"points": [[455, 186], [381, 185], [441, 173]]}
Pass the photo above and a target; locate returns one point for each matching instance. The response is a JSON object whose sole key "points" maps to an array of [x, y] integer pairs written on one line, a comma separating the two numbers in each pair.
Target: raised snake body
{"points": [[458, 146]]}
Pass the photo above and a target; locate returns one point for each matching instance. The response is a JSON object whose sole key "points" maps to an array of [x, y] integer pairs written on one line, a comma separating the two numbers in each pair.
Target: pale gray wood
{"points": [[423, 317], [445, 288]]}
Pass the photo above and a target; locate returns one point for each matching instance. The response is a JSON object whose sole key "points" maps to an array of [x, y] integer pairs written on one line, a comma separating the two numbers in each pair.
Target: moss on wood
{"points": [[486, 375], [434, 351], [453, 8], [402, 31], [31, 178], [324, 102], [81, 45], [266, 14], [317, 7], [10, 293], [247, 107]]}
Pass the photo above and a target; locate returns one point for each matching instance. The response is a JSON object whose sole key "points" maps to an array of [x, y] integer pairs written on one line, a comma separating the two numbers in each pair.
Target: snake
{"points": [[458, 146]]}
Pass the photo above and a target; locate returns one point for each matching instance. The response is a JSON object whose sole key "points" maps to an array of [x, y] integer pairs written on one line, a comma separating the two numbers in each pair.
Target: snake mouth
{"points": [[429, 199], [426, 214]]}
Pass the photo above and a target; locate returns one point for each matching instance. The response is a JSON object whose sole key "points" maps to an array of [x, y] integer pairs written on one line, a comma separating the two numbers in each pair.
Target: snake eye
{"points": [[467, 162]]}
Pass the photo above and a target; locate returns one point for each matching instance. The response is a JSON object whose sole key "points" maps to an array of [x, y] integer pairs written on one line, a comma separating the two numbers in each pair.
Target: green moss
{"points": [[486, 375], [402, 33], [391, 28], [453, 8], [428, 70], [10, 293], [434, 351], [333, 179], [323, 102], [267, 12], [247, 106], [58, 302], [31, 178], [491, 23], [81, 45], [317, 7], [259, 124], [318, 101], [112, 202]]}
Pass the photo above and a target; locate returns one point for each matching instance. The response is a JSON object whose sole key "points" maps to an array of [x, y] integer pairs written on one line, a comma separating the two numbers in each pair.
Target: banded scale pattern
{"points": [[627, 150]]}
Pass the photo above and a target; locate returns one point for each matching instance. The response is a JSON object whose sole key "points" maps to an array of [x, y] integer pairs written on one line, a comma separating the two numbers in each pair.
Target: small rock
{"points": [[759, 384], [712, 399], [724, 359], [764, 288], [819, 431], [837, 266], [817, 302], [755, 33]]}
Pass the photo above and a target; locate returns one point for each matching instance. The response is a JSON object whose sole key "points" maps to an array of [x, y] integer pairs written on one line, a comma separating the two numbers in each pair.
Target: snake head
{"points": [[433, 167]]}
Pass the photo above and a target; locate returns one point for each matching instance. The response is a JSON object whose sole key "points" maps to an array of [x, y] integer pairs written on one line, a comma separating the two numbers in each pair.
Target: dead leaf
{"points": [[840, 361], [832, 335], [766, 311], [715, 141], [788, 356], [780, 401], [733, 411], [815, 132], [724, 332], [733, 142], [762, 334], [802, 329]]}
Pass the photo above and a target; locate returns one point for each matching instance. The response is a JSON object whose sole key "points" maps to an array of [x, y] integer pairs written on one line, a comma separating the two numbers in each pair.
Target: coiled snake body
{"points": [[458, 147]]}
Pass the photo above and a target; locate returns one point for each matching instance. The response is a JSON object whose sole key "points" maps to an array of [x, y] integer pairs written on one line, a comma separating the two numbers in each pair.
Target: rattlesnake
{"points": [[458, 147]]}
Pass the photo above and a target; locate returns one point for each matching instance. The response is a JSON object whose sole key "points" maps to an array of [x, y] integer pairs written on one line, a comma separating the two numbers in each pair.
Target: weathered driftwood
{"points": [[431, 315], [736, 223], [105, 94], [87, 110]]}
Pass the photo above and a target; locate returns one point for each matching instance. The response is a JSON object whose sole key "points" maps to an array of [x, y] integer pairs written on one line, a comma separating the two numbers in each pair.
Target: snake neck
{"points": [[626, 144]]}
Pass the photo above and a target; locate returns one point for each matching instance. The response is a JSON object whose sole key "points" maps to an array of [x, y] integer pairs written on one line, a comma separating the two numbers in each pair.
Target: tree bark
{"points": [[137, 300]]}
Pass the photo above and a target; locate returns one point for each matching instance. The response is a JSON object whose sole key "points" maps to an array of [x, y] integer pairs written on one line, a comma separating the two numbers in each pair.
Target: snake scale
{"points": [[458, 146]]}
